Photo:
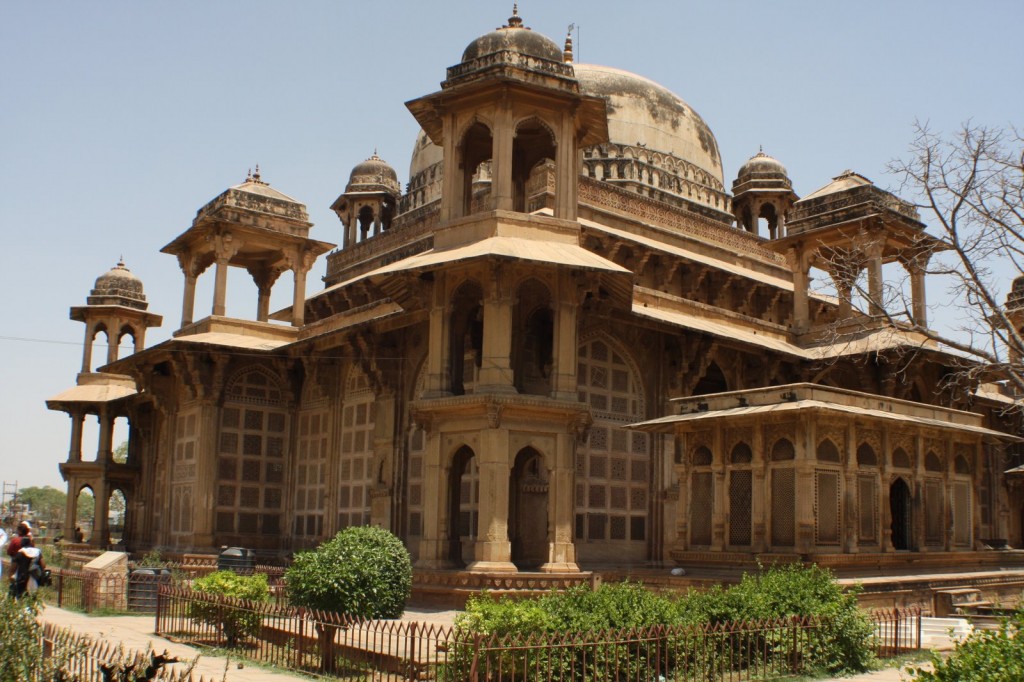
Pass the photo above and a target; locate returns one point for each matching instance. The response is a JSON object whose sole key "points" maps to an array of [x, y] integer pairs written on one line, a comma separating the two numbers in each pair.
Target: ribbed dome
{"points": [[373, 175], [118, 287], [516, 38]]}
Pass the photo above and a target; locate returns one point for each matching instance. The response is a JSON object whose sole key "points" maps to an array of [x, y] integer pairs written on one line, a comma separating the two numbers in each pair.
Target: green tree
{"points": [[363, 571], [47, 503], [121, 453]]}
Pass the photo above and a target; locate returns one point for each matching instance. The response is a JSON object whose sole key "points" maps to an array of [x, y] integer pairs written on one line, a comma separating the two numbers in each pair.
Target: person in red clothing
{"points": [[14, 546], [24, 529]]}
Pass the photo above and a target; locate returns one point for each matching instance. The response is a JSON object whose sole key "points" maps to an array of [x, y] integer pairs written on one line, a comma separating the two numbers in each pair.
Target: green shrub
{"points": [[842, 644], [363, 571], [985, 656], [22, 656], [232, 623]]}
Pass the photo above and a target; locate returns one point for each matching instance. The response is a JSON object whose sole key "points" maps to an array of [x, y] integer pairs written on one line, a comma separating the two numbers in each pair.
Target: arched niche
{"points": [[465, 337], [528, 510], [475, 148], [463, 504], [533, 143]]}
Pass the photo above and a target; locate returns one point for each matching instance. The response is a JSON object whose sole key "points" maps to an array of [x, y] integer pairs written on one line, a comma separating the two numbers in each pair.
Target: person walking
{"points": [[29, 567]]}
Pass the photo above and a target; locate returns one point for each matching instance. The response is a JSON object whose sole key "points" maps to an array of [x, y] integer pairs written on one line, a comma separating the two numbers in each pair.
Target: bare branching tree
{"points": [[970, 190]]}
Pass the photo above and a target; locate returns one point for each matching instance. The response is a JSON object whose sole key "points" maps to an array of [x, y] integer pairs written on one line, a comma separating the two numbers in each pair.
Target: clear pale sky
{"points": [[118, 120]]}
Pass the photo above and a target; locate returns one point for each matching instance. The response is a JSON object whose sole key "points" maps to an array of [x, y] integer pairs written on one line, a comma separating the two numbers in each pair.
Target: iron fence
{"points": [[340, 646], [132, 592], [81, 658]]}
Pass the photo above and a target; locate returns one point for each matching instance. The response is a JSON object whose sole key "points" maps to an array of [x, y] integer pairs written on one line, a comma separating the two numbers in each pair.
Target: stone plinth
{"points": [[108, 576]]}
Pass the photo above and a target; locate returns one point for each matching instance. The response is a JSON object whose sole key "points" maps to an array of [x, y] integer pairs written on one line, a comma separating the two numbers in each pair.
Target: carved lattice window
{"points": [[827, 511], [783, 507], [250, 458], [356, 457], [615, 458], [311, 474], [962, 513], [867, 509], [702, 500], [739, 507]]}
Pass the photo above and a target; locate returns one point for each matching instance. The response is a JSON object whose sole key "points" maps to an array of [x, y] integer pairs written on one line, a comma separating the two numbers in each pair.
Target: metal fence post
{"points": [[159, 609]]}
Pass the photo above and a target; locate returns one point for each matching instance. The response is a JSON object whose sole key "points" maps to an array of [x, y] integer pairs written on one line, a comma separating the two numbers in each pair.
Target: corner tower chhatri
{"points": [[497, 272]]}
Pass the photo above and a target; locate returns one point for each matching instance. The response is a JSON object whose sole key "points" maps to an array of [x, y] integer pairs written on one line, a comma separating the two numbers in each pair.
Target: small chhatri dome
{"points": [[118, 287], [762, 173], [513, 37], [373, 175], [761, 163]]}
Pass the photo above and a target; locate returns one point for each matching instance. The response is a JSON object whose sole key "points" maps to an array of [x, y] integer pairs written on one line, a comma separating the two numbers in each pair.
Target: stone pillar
{"points": [[299, 294], [75, 449], [874, 254], [438, 348], [452, 185], [503, 138], [113, 340], [204, 491], [758, 497], [493, 549], [918, 504], [263, 304], [90, 337], [885, 514], [436, 481], [850, 527], [561, 549], [100, 525], [919, 305], [220, 287], [800, 263], [805, 457], [565, 344], [719, 494], [566, 170], [105, 446], [496, 368], [188, 302]]}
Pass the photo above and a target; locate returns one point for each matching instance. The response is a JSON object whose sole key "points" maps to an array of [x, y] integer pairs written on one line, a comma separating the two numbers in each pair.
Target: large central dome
{"points": [[644, 114], [658, 145]]}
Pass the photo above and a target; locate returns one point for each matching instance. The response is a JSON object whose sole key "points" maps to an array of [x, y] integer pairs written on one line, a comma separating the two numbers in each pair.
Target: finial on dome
{"points": [[248, 176], [567, 50], [514, 21], [120, 261], [760, 149], [256, 176]]}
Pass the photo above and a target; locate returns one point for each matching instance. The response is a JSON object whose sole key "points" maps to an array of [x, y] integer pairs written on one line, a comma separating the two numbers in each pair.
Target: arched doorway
{"points": [[528, 510], [899, 508], [463, 492]]}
